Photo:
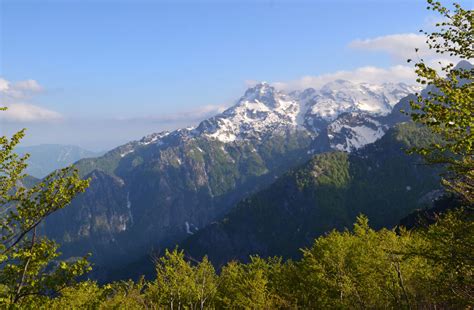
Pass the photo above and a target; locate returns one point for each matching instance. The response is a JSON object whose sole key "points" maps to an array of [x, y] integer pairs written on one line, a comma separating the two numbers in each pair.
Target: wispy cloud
{"points": [[24, 112], [369, 74], [19, 90], [185, 116], [399, 47], [16, 96]]}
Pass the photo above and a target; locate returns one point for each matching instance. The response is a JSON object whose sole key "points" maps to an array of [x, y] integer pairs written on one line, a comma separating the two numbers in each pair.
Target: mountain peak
{"points": [[465, 65], [337, 85], [263, 92]]}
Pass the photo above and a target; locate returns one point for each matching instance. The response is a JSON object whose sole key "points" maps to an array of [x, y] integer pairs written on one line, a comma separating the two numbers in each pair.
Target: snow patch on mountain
{"points": [[153, 138], [129, 208], [353, 131], [125, 153], [190, 227], [360, 136]]}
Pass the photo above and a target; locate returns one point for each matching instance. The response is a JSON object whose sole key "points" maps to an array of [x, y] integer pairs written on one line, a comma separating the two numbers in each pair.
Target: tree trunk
{"points": [[25, 269]]}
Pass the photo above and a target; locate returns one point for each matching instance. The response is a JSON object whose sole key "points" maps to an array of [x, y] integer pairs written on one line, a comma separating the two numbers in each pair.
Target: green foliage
{"points": [[362, 269], [328, 169], [29, 266], [451, 250], [83, 295], [242, 286], [181, 285], [412, 135], [357, 269], [447, 108]]}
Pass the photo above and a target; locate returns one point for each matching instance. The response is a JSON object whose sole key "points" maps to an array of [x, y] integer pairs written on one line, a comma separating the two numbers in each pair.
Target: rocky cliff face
{"points": [[158, 195]]}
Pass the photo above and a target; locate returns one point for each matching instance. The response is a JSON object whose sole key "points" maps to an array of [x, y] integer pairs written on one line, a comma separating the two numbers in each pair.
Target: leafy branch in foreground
{"points": [[28, 260], [447, 107]]}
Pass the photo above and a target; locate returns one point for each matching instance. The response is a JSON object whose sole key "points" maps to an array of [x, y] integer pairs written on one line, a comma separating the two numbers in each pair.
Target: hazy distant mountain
{"points": [[46, 158], [153, 193]]}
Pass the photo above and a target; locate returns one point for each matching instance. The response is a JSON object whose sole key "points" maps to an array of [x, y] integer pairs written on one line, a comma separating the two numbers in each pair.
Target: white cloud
{"points": [[18, 90], [369, 74], [198, 113], [399, 46], [28, 86], [15, 97], [4, 85], [24, 112]]}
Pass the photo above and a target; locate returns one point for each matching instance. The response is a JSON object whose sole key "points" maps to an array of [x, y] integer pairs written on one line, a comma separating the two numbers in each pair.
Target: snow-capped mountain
{"points": [[348, 113], [262, 109], [342, 96]]}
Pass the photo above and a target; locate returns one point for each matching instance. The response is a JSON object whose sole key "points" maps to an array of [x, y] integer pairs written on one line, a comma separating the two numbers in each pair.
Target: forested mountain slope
{"points": [[328, 192]]}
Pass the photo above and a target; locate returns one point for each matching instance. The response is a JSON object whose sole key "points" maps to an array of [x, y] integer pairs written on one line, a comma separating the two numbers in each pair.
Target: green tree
{"points": [[448, 247], [206, 283], [281, 280], [174, 286], [82, 295], [448, 105], [447, 108], [182, 285], [29, 265], [243, 286], [363, 269], [125, 295]]}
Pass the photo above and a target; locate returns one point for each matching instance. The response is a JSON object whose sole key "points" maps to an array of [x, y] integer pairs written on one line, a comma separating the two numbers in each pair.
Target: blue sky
{"points": [[111, 71]]}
